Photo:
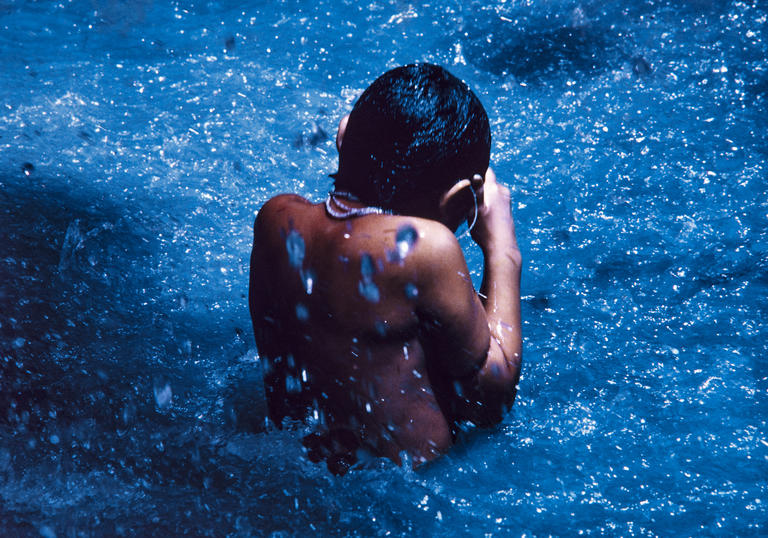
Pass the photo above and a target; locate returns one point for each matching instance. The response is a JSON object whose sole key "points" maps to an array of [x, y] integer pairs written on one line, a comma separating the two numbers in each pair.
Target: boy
{"points": [[362, 306]]}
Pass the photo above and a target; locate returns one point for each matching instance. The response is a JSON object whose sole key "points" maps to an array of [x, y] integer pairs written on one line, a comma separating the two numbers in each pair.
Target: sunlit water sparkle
{"points": [[137, 142]]}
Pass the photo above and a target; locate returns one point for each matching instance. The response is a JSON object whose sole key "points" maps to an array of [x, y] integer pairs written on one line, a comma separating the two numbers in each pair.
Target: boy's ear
{"points": [[341, 131], [455, 200], [461, 195]]}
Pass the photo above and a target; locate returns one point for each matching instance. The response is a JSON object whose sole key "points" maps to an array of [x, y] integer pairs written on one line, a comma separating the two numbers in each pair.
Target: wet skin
{"points": [[374, 323]]}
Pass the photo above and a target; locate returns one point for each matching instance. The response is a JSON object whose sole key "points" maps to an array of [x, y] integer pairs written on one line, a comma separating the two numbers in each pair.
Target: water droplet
{"points": [[416, 374], [457, 388], [366, 267], [302, 313], [128, 413], [292, 384], [368, 407], [405, 239], [640, 66], [381, 327], [163, 395], [19, 342], [73, 241], [370, 291], [308, 277], [367, 288], [411, 291], [294, 245], [27, 168]]}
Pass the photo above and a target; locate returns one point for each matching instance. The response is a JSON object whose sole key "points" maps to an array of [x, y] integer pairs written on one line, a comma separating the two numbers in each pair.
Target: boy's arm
{"points": [[483, 337], [259, 303], [455, 331], [271, 341], [495, 385], [264, 328]]}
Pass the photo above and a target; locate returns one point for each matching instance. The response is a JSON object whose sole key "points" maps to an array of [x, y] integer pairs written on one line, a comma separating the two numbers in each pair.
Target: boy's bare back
{"points": [[355, 308]]}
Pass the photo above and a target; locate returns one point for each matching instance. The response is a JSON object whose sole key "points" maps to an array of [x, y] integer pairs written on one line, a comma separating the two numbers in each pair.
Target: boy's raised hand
{"points": [[494, 230]]}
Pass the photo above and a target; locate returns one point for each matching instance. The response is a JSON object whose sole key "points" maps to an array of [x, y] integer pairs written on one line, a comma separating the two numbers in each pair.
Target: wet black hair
{"points": [[414, 132]]}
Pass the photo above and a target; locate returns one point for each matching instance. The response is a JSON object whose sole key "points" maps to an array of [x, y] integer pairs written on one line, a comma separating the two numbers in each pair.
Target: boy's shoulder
{"points": [[281, 212], [410, 243], [281, 202], [415, 239], [406, 230]]}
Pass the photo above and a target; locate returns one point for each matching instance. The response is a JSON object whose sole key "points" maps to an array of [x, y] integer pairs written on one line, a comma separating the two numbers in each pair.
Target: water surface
{"points": [[137, 142]]}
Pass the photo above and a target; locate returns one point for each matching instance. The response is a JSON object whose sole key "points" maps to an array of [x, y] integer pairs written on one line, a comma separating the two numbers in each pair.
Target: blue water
{"points": [[138, 140]]}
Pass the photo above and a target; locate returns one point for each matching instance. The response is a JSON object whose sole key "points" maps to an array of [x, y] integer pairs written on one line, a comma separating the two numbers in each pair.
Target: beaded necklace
{"points": [[337, 209]]}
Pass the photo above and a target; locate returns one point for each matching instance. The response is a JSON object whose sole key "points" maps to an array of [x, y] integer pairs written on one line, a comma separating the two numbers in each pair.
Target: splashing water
{"points": [[294, 245], [366, 286], [405, 240], [163, 394], [308, 278], [302, 312], [633, 138]]}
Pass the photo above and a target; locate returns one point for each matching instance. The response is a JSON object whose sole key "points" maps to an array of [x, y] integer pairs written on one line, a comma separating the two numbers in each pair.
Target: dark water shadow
{"points": [[89, 329], [89, 349], [537, 46], [534, 56], [74, 288]]}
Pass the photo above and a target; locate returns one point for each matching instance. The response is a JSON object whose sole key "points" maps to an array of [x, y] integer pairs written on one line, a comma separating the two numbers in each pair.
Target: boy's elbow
{"points": [[504, 365], [511, 378], [500, 381]]}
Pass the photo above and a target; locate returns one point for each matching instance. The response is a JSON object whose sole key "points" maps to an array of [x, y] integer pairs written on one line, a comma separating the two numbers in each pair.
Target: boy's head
{"points": [[414, 133]]}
